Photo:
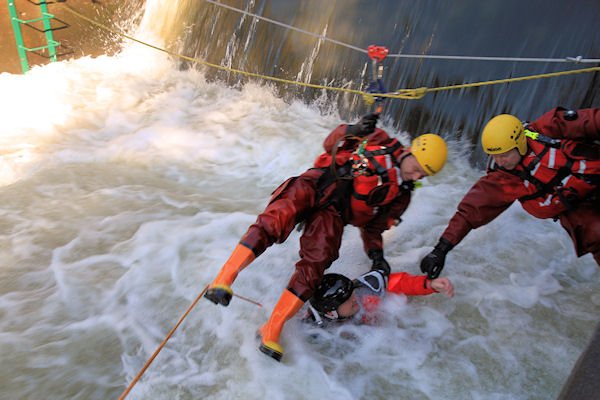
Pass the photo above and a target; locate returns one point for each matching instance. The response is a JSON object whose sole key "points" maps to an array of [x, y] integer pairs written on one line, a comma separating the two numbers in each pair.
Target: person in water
{"points": [[365, 179], [551, 166], [337, 298]]}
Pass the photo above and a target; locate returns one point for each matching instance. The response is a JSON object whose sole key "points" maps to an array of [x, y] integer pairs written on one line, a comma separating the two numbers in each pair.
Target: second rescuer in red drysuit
{"points": [[364, 179], [552, 166]]}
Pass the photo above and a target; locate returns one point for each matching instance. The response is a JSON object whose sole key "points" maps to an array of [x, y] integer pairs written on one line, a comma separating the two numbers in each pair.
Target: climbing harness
{"points": [[558, 179], [368, 174], [361, 162], [377, 177], [344, 173]]}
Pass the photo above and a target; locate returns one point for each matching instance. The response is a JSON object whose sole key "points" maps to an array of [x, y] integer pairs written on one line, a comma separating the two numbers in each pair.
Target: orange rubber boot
{"points": [[286, 307], [219, 291]]}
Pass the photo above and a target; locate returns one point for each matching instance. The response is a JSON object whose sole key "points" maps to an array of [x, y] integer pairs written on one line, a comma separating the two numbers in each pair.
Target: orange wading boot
{"points": [[219, 291], [286, 307]]}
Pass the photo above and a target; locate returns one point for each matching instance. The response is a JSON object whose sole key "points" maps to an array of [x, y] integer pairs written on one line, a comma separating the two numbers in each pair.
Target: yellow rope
{"points": [[69, 9], [408, 94], [420, 92]]}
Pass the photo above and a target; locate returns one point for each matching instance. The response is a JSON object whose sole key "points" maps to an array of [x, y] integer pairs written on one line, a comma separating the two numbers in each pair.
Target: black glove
{"points": [[379, 263], [365, 126], [219, 295], [433, 262]]}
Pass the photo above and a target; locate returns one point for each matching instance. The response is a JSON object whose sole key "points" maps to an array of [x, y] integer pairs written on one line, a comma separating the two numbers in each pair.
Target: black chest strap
{"points": [[543, 188]]}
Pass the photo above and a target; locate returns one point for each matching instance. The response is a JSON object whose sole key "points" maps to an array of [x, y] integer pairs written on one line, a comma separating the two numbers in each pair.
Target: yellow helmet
{"points": [[503, 133], [431, 152]]}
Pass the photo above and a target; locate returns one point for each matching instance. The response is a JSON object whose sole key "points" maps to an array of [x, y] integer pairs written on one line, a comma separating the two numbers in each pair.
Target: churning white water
{"points": [[126, 183]]}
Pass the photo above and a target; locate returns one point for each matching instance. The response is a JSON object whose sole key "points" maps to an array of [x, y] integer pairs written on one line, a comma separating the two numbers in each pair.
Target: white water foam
{"points": [[126, 183]]}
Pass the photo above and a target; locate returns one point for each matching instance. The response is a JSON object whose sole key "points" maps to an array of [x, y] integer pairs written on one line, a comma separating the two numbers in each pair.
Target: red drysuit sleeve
{"points": [[333, 137], [411, 285], [585, 126], [487, 198], [379, 136]]}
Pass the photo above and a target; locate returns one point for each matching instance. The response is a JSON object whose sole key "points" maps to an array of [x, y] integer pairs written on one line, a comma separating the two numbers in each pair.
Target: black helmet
{"points": [[333, 291]]}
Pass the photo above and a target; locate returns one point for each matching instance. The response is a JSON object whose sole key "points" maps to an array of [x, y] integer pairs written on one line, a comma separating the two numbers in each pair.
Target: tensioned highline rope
{"points": [[398, 94], [578, 59]]}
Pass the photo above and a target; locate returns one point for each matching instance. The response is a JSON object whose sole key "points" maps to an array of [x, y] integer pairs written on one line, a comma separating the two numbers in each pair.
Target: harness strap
{"points": [[344, 174], [536, 160], [384, 151], [379, 169], [358, 196], [538, 137], [334, 150], [592, 179], [563, 172], [550, 186], [340, 199], [543, 188]]}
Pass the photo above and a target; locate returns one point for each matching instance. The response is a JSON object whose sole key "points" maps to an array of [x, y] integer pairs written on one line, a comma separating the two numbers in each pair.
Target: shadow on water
{"points": [[495, 28]]}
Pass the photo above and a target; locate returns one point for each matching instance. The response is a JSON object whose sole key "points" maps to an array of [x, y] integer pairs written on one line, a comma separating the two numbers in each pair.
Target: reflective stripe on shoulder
{"points": [[398, 176], [552, 158], [388, 161]]}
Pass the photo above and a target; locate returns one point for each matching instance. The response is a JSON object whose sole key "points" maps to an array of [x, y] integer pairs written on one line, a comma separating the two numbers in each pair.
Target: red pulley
{"points": [[377, 52]]}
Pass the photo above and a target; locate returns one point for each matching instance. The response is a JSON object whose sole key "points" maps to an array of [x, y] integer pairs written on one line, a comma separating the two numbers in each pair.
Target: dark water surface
{"points": [[495, 28]]}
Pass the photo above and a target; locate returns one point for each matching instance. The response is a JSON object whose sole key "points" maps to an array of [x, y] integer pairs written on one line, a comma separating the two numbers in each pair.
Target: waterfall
{"points": [[497, 28], [127, 180]]}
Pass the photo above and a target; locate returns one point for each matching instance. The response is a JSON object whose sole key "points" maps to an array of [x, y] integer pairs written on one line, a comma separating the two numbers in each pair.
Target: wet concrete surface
{"points": [[584, 381]]}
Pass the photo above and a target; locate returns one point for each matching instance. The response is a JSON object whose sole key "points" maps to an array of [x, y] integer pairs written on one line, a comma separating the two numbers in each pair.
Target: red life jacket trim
{"points": [[375, 173], [557, 187]]}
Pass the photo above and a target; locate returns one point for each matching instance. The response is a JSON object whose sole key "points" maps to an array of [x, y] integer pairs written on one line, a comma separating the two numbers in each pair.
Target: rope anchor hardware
{"points": [[377, 54]]}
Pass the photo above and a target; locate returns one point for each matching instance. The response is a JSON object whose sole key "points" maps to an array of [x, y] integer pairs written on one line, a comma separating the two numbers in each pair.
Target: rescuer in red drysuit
{"points": [[552, 166], [337, 298], [364, 179]]}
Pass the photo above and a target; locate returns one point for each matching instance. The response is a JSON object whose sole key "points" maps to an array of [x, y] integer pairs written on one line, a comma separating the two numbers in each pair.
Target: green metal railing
{"points": [[51, 44]]}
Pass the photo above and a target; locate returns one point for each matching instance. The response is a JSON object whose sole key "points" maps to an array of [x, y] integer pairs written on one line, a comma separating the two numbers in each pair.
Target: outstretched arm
{"points": [[418, 285], [563, 124], [487, 198]]}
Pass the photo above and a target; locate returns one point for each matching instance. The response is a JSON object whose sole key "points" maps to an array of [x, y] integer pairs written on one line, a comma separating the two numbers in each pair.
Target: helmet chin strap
{"points": [[407, 185], [316, 315], [408, 153], [401, 160], [331, 315]]}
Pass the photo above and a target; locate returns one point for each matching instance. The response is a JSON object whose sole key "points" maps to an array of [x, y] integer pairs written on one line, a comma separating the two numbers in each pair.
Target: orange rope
{"points": [[256, 303], [145, 367]]}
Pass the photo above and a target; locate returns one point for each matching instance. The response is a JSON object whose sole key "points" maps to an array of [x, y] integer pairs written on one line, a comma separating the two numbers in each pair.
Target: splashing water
{"points": [[125, 184]]}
